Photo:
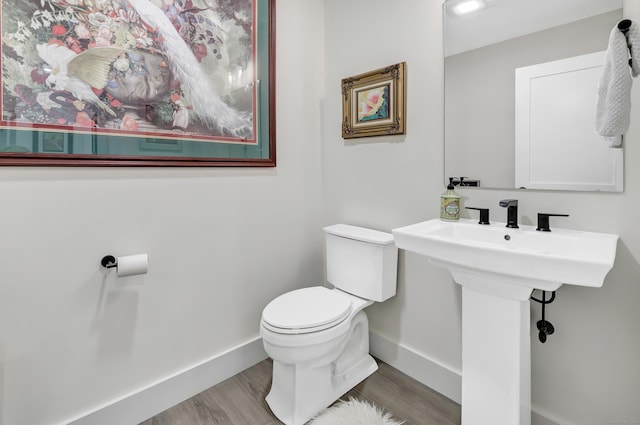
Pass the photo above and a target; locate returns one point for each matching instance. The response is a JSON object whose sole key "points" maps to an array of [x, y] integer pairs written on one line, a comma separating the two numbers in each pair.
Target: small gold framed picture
{"points": [[373, 104]]}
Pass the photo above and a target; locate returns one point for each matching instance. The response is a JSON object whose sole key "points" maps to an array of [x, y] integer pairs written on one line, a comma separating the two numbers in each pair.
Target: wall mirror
{"points": [[483, 49]]}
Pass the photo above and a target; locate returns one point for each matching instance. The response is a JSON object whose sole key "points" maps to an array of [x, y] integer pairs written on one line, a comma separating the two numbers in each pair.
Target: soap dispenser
{"points": [[450, 203]]}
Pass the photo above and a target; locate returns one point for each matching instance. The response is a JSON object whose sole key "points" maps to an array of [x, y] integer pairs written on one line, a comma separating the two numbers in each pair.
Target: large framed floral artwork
{"points": [[138, 82]]}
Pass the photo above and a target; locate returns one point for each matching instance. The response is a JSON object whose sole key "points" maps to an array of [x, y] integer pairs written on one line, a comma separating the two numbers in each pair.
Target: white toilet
{"points": [[317, 337]]}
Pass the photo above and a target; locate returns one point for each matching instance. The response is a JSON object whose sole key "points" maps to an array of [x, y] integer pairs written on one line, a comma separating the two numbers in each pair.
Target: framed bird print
{"points": [[138, 82]]}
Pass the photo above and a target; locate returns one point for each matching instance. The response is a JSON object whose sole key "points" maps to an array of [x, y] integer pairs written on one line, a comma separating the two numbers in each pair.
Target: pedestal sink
{"points": [[498, 269]]}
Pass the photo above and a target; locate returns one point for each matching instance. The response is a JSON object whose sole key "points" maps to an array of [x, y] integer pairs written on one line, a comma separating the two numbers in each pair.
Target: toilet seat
{"points": [[306, 310]]}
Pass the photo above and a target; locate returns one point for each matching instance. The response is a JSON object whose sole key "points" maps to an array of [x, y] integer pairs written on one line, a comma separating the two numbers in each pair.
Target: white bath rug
{"points": [[354, 412]]}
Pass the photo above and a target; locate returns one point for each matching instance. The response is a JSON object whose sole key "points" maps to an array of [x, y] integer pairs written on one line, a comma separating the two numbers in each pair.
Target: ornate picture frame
{"points": [[374, 103], [138, 82]]}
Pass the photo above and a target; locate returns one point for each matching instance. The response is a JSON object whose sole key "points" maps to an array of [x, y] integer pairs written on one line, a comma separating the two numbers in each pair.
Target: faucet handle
{"points": [[484, 214], [543, 221], [508, 203]]}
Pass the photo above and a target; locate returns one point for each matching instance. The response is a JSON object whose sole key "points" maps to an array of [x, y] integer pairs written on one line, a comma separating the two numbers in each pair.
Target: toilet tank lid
{"points": [[360, 234]]}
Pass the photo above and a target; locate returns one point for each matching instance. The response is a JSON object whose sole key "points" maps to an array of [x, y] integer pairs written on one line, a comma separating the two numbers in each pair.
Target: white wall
{"points": [[210, 234], [221, 242], [387, 182], [588, 371]]}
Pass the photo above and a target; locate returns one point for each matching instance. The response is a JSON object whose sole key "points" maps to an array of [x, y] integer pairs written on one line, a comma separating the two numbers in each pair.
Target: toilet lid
{"points": [[306, 310]]}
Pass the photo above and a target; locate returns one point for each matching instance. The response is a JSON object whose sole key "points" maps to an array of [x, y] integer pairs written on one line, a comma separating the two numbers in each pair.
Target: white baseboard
{"points": [[147, 402], [434, 375]]}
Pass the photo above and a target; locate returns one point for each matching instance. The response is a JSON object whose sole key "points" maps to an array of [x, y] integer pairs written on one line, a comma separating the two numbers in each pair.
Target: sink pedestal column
{"points": [[498, 268], [496, 359]]}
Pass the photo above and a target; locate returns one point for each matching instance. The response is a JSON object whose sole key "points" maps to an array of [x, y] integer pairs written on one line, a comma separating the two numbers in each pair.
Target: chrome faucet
{"points": [[512, 212]]}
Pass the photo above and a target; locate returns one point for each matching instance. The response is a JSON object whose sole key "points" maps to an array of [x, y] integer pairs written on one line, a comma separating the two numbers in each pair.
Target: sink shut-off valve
{"points": [[544, 327]]}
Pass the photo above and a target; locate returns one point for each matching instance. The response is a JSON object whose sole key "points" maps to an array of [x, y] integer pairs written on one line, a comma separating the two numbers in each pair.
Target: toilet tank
{"points": [[362, 262]]}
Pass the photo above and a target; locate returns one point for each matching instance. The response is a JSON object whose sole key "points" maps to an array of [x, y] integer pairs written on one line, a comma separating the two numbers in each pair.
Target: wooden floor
{"points": [[240, 400]]}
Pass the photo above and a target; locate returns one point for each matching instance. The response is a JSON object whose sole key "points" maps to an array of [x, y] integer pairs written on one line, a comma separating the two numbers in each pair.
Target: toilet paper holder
{"points": [[109, 262], [129, 265]]}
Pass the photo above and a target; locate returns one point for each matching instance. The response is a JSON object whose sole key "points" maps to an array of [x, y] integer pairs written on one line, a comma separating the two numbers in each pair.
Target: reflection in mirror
{"points": [[483, 49]]}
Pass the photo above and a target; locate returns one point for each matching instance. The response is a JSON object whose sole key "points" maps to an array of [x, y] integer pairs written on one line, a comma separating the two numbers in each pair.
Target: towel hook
{"points": [[624, 26]]}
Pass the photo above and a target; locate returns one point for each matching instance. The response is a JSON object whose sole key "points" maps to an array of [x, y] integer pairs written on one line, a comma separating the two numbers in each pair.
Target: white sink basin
{"points": [[498, 268], [523, 257]]}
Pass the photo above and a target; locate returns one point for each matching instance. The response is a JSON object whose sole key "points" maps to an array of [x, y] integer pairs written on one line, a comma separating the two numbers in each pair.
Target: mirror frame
{"points": [[450, 155]]}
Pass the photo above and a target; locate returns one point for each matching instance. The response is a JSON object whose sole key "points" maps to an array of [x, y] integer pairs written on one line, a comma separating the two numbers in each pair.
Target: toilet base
{"points": [[301, 391], [312, 398]]}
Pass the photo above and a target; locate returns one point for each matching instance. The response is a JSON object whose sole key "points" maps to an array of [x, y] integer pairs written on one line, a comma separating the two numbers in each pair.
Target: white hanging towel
{"points": [[614, 90], [633, 38]]}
